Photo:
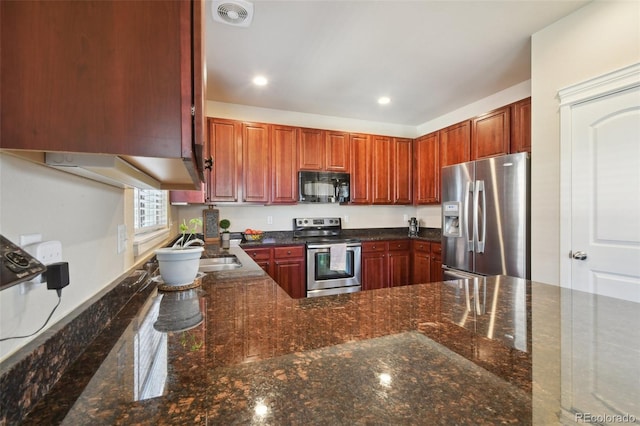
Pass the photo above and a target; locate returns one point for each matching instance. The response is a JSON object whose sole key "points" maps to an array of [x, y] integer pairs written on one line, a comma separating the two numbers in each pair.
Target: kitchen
{"points": [[93, 211]]}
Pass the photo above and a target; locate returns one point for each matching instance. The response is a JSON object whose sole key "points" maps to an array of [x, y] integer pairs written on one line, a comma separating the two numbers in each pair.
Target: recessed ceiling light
{"points": [[383, 100], [260, 80]]}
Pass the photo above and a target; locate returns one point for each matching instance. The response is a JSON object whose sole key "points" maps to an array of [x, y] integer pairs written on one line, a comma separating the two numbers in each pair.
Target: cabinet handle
{"points": [[288, 251], [208, 163]]}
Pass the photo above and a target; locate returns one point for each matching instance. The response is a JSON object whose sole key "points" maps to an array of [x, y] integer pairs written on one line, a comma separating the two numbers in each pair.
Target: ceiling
{"points": [[336, 58]]}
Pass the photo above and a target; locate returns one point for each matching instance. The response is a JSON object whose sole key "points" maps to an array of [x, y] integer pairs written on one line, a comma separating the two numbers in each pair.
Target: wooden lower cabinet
{"points": [[421, 262], [426, 261], [436, 262], [289, 270], [385, 264], [285, 264], [263, 257]]}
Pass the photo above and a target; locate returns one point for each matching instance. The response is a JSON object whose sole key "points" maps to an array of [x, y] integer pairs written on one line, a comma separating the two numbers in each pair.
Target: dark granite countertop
{"points": [[404, 355], [372, 234]]}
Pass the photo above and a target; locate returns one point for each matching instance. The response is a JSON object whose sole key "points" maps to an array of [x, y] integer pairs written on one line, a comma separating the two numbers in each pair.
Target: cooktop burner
{"points": [[320, 230]]}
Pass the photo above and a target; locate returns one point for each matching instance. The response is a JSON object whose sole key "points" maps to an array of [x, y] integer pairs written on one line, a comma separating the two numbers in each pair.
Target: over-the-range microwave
{"points": [[323, 187]]}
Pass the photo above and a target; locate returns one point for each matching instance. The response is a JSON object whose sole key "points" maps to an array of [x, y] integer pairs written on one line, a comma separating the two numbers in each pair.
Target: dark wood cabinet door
{"points": [[263, 257], [290, 275], [382, 151], [436, 262], [266, 266], [426, 169], [188, 197], [491, 134], [360, 146], [99, 77], [337, 153], [455, 144], [399, 267], [421, 262], [256, 156], [402, 171], [375, 271], [225, 148], [284, 162], [521, 126], [311, 150]]}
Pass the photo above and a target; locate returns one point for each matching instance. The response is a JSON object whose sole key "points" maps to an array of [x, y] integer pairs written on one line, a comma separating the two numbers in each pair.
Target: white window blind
{"points": [[150, 209]]}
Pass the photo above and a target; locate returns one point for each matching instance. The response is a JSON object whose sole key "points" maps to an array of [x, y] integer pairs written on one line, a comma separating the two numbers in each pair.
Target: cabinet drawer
{"points": [[259, 254], [288, 252], [436, 249], [373, 246], [422, 246], [399, 245]]}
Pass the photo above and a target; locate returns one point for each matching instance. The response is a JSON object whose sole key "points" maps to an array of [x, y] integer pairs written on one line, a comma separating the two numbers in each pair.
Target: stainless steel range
{"points": [[333, 261]]}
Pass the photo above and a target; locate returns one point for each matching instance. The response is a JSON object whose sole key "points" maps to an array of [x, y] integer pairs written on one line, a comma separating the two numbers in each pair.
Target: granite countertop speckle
{"points": [[403, 355], [372, 234]]}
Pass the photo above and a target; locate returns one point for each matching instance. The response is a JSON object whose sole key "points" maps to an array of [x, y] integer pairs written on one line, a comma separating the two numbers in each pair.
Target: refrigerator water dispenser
{"points": [[451, 219]]}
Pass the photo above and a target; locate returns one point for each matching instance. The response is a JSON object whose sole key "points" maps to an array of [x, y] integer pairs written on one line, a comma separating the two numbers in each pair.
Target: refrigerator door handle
{"points": [[469, 235], [475, 215], [480, 232]]}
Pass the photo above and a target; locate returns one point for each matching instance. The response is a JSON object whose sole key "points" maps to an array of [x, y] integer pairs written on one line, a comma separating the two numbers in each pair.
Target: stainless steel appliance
{"points": [[333, 261], [485, 217], [323, 187]]}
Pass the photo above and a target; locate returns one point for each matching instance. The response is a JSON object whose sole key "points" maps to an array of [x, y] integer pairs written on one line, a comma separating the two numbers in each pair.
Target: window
{"points": [[150, 212]]}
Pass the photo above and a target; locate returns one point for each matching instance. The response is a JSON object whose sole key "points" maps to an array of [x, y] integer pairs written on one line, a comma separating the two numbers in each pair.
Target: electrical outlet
{"points": [[122, 238], [269, 220], [346, 218], [47, 252], [405, 217]]}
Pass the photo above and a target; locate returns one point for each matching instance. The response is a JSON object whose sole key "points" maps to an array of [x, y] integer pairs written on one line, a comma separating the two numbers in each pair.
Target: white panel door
{"points": [[605, 195]]}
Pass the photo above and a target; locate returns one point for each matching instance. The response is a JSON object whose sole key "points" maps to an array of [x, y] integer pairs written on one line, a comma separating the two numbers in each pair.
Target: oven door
{"points": [[321, 277]]}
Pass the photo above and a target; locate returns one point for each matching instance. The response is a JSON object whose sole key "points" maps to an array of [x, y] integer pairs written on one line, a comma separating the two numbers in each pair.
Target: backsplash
{"points": [[31, 372]]}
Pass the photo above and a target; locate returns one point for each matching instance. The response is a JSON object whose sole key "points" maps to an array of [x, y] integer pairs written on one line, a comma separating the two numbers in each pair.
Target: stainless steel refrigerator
{"points": [[485, 217]]}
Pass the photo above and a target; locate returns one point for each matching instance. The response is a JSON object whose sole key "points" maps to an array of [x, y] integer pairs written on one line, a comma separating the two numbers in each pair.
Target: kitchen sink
{"points": [[219, 263]]}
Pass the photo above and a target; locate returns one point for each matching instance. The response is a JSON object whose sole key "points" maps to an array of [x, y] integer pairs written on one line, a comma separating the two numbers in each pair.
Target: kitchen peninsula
{"points": [[403, 355]]}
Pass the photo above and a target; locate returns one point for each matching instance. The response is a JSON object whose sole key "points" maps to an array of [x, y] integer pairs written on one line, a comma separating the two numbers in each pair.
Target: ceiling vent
{"points": [[233, 12]]}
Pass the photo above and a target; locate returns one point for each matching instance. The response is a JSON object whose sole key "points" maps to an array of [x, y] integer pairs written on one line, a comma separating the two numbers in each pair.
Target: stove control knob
{"points": [[306, 221]]}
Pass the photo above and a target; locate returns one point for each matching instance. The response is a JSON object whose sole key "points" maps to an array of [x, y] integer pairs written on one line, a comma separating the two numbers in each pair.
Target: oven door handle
{"points": [[328, 246]]}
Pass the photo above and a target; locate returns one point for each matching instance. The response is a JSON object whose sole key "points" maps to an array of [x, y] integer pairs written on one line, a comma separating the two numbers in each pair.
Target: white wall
{"points": [[497, 100], [598, 38], [255, 217], [83, 215]]}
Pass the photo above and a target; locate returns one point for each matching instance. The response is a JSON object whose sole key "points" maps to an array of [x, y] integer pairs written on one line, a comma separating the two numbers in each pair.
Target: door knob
{"points": [[579, 255]]}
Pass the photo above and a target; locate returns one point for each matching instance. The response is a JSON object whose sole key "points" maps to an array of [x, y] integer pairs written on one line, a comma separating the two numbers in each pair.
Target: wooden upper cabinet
{"points": [[256, 160], [491, 134], [382, 151], [426, 169], [337, 152], [360, 146], [284, 162], [311, 149], [402, 170], [225, 149], [521, 126], [107, 77], [455, 144]]}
